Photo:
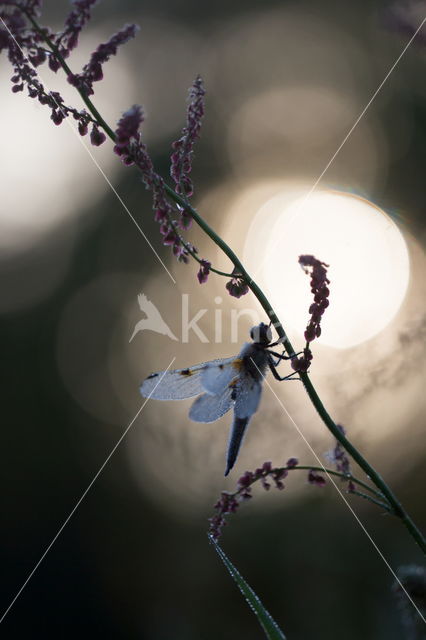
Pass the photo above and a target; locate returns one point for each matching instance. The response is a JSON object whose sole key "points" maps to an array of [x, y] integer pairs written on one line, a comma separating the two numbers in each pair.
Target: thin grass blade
{"points": [[270, 627]]}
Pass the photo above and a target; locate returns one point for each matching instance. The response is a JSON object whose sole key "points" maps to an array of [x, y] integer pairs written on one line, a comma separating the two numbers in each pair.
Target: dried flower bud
{"points": [[292, 462], [54, 63], [302, 363], [92, 71], [97, 137], [128, 126], [316, 479], [204, 271], [57, 116], [237, 287], [76, 20]]}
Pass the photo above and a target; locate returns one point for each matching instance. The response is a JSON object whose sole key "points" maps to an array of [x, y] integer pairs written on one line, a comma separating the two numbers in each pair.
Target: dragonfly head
{"points": [[261, 334]]}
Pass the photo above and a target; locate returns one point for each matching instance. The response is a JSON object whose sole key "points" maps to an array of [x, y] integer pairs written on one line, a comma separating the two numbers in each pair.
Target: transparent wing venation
{"points": [[180, 383]]}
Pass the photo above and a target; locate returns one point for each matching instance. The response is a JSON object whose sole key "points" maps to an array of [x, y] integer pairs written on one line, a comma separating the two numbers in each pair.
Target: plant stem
{"points": [[338, 474], [192, 253], [258, 293], [331, 472], [374, 476], [373, 500]]}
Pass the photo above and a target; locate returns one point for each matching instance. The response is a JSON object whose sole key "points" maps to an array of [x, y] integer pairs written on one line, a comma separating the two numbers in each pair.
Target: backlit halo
{"points": [[368, 258]]}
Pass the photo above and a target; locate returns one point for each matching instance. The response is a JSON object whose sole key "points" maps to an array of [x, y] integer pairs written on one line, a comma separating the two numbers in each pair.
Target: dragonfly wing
{"points": [[248, 392], [238, 430], [208, 408], [174, 385], [179, 383], [218, 375]]}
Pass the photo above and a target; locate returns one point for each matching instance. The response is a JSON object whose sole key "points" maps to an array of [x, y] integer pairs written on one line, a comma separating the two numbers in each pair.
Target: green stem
{"points": [[373, 500], [258, 293], [331, 472], [338, 474], [192, 253], [199, 260], [374, 476]]}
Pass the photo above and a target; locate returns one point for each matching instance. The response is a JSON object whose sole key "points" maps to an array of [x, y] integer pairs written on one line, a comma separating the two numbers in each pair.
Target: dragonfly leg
{"points": [[274, 344], [275, 373], [281, 356]]}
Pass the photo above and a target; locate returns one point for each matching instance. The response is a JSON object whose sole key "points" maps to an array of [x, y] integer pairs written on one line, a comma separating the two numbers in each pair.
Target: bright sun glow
{"points": [[368, 258]]}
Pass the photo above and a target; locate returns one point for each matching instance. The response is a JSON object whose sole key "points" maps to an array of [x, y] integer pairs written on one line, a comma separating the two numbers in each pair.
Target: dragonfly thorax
{"points": [[254, 359]]}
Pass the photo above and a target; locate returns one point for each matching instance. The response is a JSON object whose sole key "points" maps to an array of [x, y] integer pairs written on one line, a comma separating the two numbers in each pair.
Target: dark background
{"points": [[128, 565]]}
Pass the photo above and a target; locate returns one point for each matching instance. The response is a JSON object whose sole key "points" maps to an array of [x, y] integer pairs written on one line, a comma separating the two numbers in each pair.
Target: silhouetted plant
{"points": [[28, 46]]}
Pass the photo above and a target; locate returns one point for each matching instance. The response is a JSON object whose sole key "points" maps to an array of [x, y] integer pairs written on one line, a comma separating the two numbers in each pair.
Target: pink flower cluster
{"points": [[92, 71], [268, 476], [172, 218], [319, 288], [131, 149], [67, 39], [183, 149], [26, 48], [229, 502]]}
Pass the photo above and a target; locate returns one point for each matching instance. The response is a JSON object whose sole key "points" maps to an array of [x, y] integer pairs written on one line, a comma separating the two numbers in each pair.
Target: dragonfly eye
{"points": [[261, 334]]}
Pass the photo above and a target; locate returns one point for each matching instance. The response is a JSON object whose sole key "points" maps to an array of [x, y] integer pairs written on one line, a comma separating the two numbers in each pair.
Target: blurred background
{"points": [[285, 82]]}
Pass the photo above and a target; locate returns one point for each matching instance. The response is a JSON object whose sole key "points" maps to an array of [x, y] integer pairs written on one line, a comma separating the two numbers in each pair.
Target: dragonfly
{"points": [[222, 384]]}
